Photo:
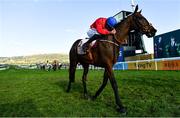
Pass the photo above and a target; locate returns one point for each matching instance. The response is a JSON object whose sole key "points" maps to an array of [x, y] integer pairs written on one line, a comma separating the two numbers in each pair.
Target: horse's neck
{"points": [[123, 30]]}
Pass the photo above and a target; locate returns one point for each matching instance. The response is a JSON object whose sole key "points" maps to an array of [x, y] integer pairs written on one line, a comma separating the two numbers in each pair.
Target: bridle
{"points": [[138, 25]]}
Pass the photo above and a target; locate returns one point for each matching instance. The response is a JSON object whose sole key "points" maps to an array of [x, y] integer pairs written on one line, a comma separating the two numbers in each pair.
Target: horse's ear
{"points": [[140, 11], [136, 9]]}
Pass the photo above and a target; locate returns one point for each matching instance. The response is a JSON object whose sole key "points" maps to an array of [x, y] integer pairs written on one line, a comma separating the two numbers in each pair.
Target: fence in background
{"points": [[152, 64], [4, 66]]}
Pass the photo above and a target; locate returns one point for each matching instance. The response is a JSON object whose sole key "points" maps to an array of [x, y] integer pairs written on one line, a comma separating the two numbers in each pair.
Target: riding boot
{"points": [[86, 45]]}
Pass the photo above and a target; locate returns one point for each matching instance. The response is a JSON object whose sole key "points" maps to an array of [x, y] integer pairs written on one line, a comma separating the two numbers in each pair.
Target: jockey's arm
{"points": [[102, 30]]}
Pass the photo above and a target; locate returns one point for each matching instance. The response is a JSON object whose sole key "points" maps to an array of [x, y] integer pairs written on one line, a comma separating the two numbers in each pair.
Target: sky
{"points": [[30, 27]]}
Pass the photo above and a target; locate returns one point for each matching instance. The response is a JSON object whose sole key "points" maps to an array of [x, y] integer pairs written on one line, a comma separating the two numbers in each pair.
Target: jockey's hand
{"points": [[113, 31]]}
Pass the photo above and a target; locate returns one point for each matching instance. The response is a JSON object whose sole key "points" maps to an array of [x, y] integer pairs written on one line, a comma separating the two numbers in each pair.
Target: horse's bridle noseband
{"points": [[143, 30]]}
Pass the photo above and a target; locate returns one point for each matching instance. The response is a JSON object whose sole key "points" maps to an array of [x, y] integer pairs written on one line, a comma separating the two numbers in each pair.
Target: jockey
{"points": [[101, 26]]}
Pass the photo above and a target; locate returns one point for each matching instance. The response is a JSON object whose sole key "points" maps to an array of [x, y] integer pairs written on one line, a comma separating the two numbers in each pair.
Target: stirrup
{"points": [[85, 48]]}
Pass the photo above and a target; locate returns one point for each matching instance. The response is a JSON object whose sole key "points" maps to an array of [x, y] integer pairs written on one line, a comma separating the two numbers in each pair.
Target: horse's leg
{"points": [[84, 78], [105, 80], [72, 69], [115, 89]]}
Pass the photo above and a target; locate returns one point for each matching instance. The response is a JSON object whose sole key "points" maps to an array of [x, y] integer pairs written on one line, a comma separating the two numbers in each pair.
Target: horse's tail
{"points": [[73, 59]]}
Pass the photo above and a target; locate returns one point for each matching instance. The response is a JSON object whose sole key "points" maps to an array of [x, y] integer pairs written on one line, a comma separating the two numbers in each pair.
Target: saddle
{"points": [[80, 50]]}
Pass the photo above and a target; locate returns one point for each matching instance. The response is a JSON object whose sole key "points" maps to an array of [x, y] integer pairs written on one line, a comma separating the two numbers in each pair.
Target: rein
{"points": [[116, 42], [110, 42], [119, 43]]}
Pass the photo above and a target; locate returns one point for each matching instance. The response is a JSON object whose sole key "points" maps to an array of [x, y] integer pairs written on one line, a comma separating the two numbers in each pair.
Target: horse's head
{"points": [[141, 24]]}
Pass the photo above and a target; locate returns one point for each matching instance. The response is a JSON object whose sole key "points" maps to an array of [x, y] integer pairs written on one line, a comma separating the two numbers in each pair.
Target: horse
{"points": [[106, 52]]}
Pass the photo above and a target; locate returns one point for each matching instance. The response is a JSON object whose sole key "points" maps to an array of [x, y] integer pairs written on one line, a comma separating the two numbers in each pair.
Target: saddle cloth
{"points": [[80, 50]]}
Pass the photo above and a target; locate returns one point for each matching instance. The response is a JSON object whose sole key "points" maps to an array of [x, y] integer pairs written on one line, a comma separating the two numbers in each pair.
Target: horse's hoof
{"points": [[87, 97], [122, 110]]}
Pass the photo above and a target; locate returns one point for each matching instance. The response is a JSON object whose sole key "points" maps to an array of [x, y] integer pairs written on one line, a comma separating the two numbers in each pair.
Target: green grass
{"points": [[42, 93]]}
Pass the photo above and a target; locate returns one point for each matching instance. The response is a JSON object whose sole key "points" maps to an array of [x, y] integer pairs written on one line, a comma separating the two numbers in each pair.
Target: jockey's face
{"points": [[108, 27]]}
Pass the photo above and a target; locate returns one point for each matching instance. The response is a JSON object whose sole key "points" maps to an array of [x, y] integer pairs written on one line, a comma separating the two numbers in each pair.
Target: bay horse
{"points": [[106, 52]]}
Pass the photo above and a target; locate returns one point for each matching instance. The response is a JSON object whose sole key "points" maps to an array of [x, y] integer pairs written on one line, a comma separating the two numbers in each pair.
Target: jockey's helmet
{"points": [[111, 21]]}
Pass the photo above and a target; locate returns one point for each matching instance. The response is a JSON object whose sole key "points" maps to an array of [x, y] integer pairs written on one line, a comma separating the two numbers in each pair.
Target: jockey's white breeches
{"points": [[91, 32]]}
